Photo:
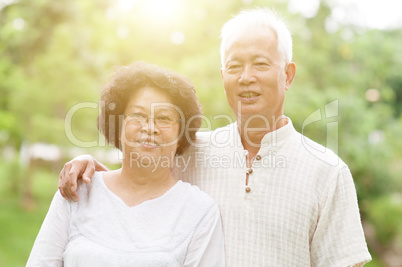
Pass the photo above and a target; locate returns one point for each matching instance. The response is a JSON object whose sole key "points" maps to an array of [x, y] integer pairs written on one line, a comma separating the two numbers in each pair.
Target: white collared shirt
{"points": [[302, 208]]}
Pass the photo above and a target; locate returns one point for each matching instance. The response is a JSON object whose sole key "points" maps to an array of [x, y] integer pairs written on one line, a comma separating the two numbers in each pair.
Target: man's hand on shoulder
{"points": [[84, 167]]}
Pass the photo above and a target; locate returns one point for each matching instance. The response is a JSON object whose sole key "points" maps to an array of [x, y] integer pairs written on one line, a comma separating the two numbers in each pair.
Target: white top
{"points": [[180, 228], [302, 208]]}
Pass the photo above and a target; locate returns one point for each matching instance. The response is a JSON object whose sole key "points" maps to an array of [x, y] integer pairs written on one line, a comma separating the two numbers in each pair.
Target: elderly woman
{"points": [[139, 215]]}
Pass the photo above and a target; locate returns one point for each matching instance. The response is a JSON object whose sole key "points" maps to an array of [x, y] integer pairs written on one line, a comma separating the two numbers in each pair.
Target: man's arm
{"points": [[84, 167], [339, 238]]}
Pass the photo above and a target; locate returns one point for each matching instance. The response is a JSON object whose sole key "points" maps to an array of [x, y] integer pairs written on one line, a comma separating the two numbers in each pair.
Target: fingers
{"points": [[89, 172], [72, 176], [65, 182], [99, 166], [61, 183], [81, 166]]}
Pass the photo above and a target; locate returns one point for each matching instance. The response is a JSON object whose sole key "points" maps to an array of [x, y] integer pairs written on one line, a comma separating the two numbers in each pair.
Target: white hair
{"points": [[262, 18]]}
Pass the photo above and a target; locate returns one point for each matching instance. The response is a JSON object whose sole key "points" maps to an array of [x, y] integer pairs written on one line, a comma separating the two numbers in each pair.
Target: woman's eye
{"points": [[138, 115], [163, 118]]}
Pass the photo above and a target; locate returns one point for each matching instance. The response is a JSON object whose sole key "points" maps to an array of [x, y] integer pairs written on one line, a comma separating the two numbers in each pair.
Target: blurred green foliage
{"points": [[56, 55], [19, 225]]}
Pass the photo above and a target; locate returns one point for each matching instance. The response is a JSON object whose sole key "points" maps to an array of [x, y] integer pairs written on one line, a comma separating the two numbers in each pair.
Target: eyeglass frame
{"points": [[147, 118]]}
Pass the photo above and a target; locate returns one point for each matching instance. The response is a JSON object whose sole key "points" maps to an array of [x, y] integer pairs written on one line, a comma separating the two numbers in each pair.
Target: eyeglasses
{"points": [[161, 121]]}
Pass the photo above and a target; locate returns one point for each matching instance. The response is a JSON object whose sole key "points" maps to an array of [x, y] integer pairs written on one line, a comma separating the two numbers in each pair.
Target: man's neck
{"points": [[253, 131]]}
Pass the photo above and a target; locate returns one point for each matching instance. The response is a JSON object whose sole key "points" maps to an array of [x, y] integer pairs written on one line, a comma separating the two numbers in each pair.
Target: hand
{"points": [[84, 167]]}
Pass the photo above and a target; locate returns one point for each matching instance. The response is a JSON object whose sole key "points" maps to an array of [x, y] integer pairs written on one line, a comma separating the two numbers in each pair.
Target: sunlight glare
{"points": [[161, 9], [177, 38], [126, 5], [19, 24], [166, 11], [385, 14], [123, 32]]}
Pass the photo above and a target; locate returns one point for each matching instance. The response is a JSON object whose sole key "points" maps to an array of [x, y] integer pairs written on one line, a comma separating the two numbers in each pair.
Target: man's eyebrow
{"points": [[261, 56], [232, 59], [253, 58]]}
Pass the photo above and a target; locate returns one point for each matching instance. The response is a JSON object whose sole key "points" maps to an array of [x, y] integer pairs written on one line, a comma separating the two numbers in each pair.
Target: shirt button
{"points": [[258, 157], [248, 189], [250, 171]]}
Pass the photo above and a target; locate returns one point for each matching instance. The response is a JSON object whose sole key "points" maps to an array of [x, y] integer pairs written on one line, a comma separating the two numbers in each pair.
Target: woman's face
{"points": [[151, 127]]}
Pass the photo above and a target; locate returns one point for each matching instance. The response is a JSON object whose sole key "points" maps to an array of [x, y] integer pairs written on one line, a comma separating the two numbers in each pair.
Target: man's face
{"points": [[254, 76]]}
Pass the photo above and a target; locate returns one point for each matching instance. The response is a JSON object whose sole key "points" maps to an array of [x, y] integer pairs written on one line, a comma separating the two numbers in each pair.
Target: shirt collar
{"points": [[274, 138]]}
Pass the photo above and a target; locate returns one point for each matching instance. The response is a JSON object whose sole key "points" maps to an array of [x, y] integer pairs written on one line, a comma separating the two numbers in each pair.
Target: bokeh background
{"points": [[56, 55]]}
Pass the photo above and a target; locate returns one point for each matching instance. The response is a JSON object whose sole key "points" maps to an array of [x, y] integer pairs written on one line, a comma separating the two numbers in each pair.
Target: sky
{"points": [[375, 14]]}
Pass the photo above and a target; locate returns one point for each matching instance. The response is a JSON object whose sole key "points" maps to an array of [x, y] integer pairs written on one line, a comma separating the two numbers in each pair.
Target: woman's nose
{"points": [[149, 125]]}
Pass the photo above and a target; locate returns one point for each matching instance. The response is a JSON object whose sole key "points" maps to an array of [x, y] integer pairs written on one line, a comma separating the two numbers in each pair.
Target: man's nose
{"points": [[247, 75]]}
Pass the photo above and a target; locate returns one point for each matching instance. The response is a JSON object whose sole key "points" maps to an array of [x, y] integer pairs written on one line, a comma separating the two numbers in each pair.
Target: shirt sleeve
{"points": [[206, 248], [339, 239], [53, 235]]}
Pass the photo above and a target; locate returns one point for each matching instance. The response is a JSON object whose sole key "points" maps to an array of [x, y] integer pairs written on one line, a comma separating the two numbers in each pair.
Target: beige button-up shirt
{"points": [[301, 209]]}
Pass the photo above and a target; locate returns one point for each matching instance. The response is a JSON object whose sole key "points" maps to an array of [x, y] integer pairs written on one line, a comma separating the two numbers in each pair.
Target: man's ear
{"points": [[224, 89], [290, 74]]}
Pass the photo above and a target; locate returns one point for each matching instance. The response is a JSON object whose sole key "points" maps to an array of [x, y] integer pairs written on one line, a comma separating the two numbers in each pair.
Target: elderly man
{"points": [[280, 204]]}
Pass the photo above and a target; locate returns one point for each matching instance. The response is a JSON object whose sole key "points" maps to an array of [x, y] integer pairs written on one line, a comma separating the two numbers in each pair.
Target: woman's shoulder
{"points": [[96, 180], [84, 190]]}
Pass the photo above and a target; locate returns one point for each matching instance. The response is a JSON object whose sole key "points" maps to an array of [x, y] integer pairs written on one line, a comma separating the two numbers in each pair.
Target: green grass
{"points": [[20, 226]]}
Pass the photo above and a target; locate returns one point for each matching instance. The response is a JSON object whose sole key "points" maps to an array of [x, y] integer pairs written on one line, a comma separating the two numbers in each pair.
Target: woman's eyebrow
{"points": [[135, 106], [159, 109]]}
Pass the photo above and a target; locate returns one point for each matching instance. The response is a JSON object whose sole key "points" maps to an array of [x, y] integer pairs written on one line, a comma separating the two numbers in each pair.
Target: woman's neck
{"points": [[135, 185], [143, 175]]}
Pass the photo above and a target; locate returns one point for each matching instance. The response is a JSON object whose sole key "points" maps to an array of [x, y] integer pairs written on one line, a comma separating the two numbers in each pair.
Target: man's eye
{"points": [[231, 67]]}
